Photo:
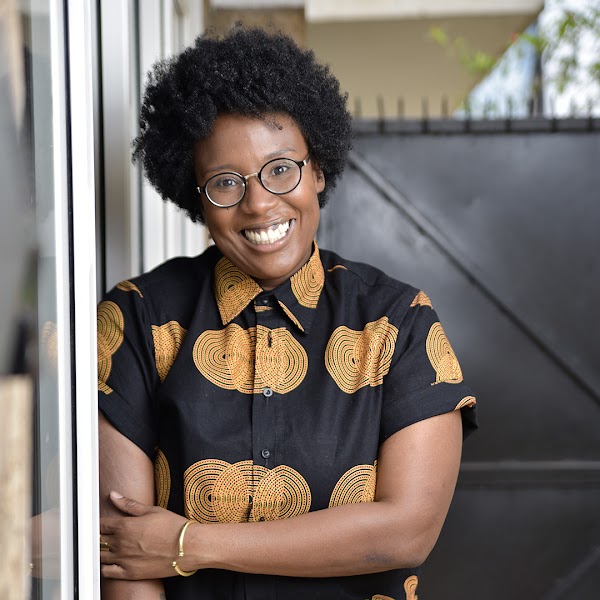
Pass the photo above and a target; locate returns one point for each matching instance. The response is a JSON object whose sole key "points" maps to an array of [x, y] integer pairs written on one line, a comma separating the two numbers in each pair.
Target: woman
{"points": [[276, 421]]}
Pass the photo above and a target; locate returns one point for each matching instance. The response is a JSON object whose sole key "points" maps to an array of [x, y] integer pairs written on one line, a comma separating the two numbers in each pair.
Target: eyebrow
{"points": [[267, 157]]}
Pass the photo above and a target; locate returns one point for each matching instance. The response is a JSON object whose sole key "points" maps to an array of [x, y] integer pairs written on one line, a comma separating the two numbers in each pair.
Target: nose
{"points": [[257, 198]]}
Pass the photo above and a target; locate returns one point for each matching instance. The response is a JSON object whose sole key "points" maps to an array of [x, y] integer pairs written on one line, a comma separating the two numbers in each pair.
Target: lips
{"points": [[268, 235]]}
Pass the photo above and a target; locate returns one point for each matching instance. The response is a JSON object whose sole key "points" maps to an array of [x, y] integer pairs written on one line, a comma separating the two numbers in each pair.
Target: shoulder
{"points": [[182, 271], [369, 284], [172, 288]]}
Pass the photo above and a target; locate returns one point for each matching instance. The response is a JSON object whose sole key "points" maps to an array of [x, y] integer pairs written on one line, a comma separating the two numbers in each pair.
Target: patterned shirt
{"points": [[257, 405]]}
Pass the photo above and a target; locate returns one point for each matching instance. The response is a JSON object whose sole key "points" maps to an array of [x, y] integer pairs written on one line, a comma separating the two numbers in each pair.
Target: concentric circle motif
{"points": [[410, 587], [233, 289], [421, 299], [226, 357], [356, 359], [218, 492], [167, 341], [281, 493], [466, 401], [128, 286], [281, 361], [442, 357], [232, 491], [381, 597], [198, 482], [308, 282], [162, 479], [110, 336], [355, 485]]}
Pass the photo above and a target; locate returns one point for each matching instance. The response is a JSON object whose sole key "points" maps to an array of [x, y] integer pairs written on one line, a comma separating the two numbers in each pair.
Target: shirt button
{"points": [[266, 453], [267, 392], [264, 301]]}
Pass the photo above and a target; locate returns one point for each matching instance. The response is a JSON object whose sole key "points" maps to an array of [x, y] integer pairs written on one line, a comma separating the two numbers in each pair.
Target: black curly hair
{"points": [[248, 71]]}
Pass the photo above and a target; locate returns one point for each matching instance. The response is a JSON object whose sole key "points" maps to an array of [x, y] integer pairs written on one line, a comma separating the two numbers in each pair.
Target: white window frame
{"points": [[58, 78], [82, 24]]}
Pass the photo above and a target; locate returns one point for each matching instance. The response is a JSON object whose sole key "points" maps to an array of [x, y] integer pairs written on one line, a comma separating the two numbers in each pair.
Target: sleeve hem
{"points": [[429, 402], [128, 424]]}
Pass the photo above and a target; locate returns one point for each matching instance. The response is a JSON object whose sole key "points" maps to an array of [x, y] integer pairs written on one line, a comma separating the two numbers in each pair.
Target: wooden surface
{"points": [[15, 488]]}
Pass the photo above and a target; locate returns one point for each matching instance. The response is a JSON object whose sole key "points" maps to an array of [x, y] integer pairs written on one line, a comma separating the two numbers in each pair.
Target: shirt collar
{"points": [[298, 296]]}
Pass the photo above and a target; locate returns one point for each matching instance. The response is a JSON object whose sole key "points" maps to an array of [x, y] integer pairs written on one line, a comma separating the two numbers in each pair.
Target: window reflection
{"points": [[38, 140]]}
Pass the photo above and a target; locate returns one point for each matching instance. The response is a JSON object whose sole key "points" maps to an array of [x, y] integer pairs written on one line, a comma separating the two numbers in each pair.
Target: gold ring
{"points": [[104, 547]]}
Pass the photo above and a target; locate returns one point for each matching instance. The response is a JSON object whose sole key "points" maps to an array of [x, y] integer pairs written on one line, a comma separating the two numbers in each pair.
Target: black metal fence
{"points": [[498, 221]]}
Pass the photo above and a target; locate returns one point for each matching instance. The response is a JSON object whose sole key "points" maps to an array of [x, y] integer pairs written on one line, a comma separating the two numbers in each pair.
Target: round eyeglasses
{"points": [[278, 176]]}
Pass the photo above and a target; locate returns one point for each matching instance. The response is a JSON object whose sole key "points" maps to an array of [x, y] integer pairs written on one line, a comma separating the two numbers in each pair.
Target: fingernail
{"points": [[116, 495]]}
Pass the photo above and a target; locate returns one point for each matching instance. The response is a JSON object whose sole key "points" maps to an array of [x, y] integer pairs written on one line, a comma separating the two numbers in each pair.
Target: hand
{"points": [[142, 542]]}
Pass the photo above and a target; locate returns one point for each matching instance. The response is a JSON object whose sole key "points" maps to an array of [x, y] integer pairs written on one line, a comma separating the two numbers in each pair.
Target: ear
{"points": [[318, 177]]}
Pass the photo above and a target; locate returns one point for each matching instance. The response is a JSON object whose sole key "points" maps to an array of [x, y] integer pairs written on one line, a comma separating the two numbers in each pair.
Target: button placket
{"points": [[264, 417]]}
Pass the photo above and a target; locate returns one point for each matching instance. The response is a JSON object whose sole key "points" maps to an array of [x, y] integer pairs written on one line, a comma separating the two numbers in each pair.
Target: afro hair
{"points": [[250, 72]]}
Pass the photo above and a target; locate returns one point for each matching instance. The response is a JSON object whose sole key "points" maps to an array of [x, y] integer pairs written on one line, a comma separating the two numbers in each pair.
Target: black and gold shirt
{"points": [[261, 405]]}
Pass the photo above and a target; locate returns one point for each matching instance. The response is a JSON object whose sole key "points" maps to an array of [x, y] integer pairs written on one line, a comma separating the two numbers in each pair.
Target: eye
{"points": [[224, 183], [279, 169]]}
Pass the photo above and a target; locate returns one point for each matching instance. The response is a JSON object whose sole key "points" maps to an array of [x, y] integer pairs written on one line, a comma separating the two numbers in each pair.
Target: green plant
{"points": [[558, 41]]}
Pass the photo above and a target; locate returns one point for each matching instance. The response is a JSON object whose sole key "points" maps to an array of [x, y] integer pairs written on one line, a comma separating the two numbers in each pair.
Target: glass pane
{"points": [[40, 139]]}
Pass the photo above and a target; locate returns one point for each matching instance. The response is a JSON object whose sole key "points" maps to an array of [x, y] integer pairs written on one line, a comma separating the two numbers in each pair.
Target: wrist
{"points": [[184, 556], [198, 545]]}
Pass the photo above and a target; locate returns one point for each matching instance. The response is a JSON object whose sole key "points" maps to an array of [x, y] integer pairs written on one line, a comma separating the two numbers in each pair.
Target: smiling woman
{"points": [[268, 235], [276, 421]]}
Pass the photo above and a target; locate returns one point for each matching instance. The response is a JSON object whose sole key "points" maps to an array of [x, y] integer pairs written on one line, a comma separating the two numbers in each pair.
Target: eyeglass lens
{"points": [[278, 176]]}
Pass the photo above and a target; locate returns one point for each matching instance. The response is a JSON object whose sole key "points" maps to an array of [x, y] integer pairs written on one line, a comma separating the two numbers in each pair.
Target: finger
{"points": [[108, 525], [113, 572], [108, 558], [129, 506]]}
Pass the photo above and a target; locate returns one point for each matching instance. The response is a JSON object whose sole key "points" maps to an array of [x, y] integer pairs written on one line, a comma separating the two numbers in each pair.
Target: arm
{"points": [[125, 467], [417, 472]]}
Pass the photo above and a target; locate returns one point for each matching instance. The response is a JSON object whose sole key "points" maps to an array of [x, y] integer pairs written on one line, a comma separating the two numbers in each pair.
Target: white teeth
{"points": [[267, 236]]}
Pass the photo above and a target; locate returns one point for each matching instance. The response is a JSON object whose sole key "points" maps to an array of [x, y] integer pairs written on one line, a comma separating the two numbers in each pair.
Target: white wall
{"points": [[139, 230]]}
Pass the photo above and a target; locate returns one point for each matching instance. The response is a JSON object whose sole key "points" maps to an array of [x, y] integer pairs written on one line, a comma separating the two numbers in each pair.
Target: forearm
{"points": [[416, 475], [346, 540], [151, 589], [138, 480], [398, 530]]}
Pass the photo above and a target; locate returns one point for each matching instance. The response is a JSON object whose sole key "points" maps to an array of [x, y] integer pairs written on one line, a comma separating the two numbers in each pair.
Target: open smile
{"points": [[268, 235]]}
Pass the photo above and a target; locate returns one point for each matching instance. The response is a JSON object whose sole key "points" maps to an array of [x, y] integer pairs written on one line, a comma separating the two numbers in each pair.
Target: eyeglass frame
{"points": [[244, 178]]}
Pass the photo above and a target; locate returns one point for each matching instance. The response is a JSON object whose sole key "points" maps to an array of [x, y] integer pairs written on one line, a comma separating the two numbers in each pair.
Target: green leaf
{"points": [[438, 35]]}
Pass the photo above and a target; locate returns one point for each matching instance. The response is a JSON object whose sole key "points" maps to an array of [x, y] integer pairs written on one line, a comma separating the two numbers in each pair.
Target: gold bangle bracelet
{"points": [[174, 564]]}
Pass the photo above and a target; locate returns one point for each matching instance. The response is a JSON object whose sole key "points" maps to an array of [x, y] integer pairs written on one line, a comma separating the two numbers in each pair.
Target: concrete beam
{"points": [[353, 10]]}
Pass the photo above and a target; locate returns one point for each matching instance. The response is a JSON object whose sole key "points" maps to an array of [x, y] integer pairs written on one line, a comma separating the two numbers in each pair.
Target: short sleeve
{"points": [[425, 377], [127, 375]]}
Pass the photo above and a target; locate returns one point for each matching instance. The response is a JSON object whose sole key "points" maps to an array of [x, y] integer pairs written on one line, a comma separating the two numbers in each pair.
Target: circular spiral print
{"points": [[355, 485], [356, 359], [442, 357]]}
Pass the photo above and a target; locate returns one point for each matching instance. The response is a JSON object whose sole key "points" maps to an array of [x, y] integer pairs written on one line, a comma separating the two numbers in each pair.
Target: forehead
{"points": [[239, 140]]}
